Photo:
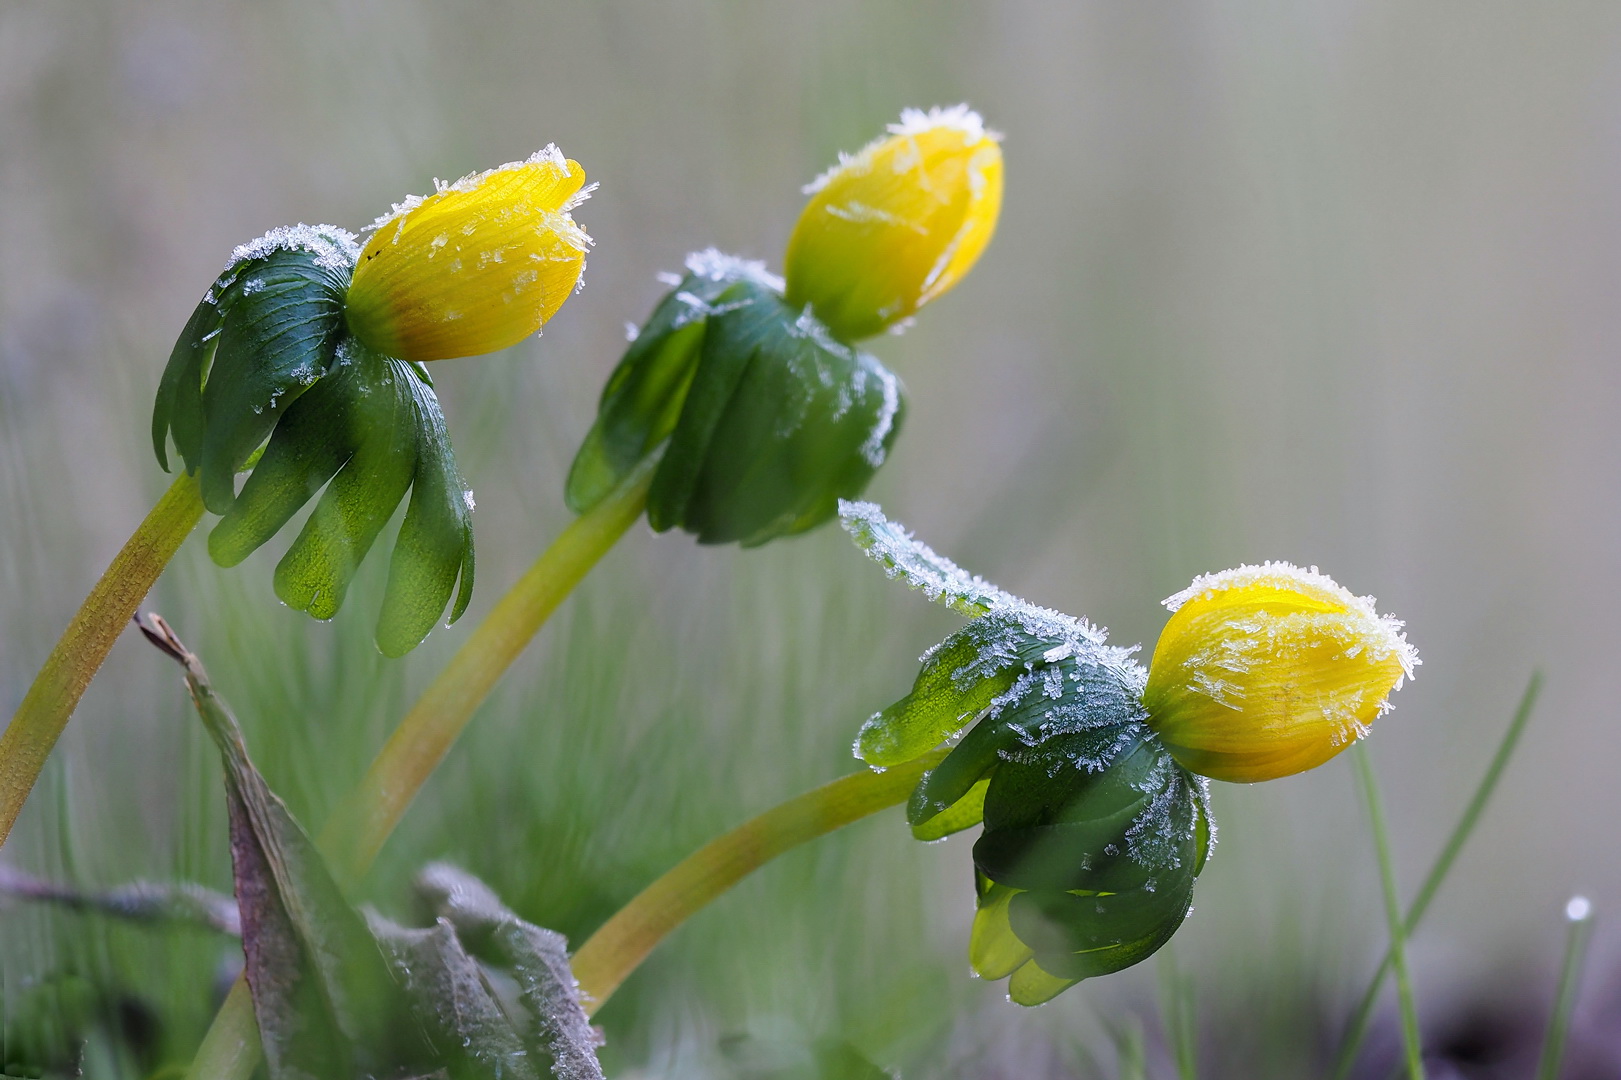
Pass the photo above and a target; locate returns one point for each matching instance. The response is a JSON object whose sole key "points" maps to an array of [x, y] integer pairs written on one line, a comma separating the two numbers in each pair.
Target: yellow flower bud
{"points": [[895, 225], [1265, 671], [476, 266]]}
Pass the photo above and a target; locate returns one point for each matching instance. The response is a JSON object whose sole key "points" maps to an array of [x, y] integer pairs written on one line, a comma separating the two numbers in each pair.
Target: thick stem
{"points": [[45, 709], [625, 940], [357, 832]]}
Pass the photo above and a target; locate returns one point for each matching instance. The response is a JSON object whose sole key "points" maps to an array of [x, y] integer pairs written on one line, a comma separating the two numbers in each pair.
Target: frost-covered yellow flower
{"points": [[898, 223], [476, 266], [1270, 670]]}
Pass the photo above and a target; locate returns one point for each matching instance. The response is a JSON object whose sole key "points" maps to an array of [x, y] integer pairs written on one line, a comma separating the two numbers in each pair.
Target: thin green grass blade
{"points": [[1357, 1031], [1177, 1016], [1398, 929], [1580, 915]]}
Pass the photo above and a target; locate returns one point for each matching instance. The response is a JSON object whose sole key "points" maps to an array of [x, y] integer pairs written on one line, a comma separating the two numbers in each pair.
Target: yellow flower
{"points": [[476, 266], [1270, 670], [898, 223]]}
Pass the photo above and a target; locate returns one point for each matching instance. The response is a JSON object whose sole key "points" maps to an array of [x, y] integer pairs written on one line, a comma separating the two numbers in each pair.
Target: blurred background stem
{"points": [[56, 690], [609, 956], [1411, 1038]]}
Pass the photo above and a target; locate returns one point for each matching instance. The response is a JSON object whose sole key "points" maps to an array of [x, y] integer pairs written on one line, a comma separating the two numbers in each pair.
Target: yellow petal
{"points": [[1270, 670], [477, 266], [897, 224]]}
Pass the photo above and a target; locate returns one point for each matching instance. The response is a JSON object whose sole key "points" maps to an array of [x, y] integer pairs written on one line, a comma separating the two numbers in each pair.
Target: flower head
{"points": [[898, 223], [1270, 670], [477, 266]]}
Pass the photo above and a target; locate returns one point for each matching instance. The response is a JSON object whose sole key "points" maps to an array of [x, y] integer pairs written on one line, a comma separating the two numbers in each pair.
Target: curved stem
{"points": [[625, 940], [45, 709], [356, 833]]}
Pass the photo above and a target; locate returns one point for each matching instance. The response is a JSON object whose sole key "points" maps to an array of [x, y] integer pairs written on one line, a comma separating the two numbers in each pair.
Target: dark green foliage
{"points": [[266, 356], [769, 420]]}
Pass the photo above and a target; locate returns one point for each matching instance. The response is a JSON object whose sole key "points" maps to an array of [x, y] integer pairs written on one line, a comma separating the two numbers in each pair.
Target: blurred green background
{"points": [[1334, 283]]}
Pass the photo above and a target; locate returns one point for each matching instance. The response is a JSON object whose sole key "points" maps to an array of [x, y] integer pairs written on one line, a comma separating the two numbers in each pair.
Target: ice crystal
{"points": [[334, 248], [912, 122], [715, 265]]}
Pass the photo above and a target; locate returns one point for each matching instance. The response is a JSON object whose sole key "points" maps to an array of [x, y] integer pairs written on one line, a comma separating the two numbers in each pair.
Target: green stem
{"points": [[1357, 1031], [45, 709], [356, 833], [624, 941], [1393, 916], [1580, 914]]}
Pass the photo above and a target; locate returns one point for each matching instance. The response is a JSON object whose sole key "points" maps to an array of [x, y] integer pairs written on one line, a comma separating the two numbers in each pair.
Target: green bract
{"points": [[1093, 833], [267, 355], [770, 421]]}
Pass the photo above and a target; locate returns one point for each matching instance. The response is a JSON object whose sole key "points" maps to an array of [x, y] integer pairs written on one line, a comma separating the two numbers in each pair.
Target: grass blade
{"points": [[1580, 915], [1177, 1016], [1357, 1031], [1393, 915]]}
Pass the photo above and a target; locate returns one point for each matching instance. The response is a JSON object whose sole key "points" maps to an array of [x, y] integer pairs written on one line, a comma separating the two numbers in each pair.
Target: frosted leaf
{"points": [[914, 562], [715, 265], [536, 957], [873, 449], [334, 249]]}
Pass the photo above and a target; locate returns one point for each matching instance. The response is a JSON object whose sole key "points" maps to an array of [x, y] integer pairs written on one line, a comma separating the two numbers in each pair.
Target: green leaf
{"points": [[769, 420], [960, 678], [313, 441], [904, 556], [642, 401], [729, 346], [179, 404], [435, 545], [381, 421], [1054, 823], [281, 318], [1083, 936], [810, 423]]}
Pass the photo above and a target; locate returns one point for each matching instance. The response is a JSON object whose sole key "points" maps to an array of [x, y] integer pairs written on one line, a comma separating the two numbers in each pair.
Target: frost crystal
{"points": [[873, 449], [547, 155], [912, 122], [1382, 634], [914, 562], [334, 248], [716, 265]]}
